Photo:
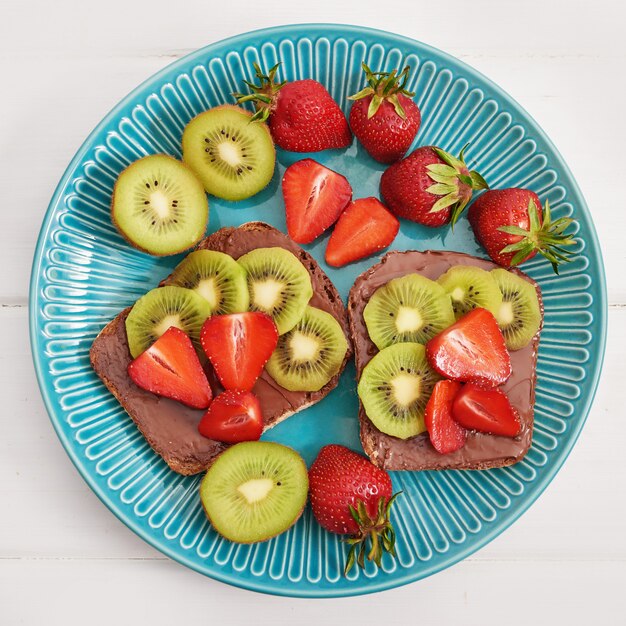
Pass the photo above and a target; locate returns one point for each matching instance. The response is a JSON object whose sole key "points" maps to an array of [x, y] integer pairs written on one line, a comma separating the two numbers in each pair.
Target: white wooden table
{"points": [[64, 558]]}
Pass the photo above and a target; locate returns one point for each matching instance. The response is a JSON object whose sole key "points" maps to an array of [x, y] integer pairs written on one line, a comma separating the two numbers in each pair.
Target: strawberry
{"points": [[314, 196], [350, 495], [511, 226], [383, 117], [170, 368], [429, 186], [238, 346], [486, 410], [233, 416], [445, 434], [302, 115], [471, 350], [364, 228]]}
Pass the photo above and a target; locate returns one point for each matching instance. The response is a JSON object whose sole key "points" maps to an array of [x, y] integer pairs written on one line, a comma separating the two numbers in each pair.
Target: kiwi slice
{"points": [[279, 285], [407, 309], [519, 315], [161, 308], [470, 287], [395, 387], [232, 157], [254, 491], [217, 277], [310, 354], [159, 206]]}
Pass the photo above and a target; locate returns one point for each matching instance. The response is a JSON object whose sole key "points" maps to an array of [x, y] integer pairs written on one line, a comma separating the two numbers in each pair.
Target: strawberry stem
{"points": [[263, 95]]}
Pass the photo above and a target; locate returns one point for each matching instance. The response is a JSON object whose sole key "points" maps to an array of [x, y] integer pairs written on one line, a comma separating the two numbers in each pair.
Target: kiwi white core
{"points": [[506, 314], [208, 290], [266, 293], [256, 489], [167, 322], [303, 347], [408, 320], [406, 389], [458, 294]]}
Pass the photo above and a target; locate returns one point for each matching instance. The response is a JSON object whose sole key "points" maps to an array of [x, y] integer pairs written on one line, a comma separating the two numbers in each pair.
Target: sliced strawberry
{"points": [[445, 434], [233, 416], [471, 350], [315, 196], [485, 410], [364, 228], [170, 368], [238, 346]]}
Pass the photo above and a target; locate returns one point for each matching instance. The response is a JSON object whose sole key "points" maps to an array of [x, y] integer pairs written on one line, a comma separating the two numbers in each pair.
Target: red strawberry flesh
{"points": [[364, 228], [486, 410], [170, 368], [314, 197], [233, 416], [471, 350], [238, 346], [445, 434]]}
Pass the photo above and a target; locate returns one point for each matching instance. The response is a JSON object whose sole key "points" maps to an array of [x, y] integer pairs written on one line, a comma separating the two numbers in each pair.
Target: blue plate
{"points": [[84, 274]]}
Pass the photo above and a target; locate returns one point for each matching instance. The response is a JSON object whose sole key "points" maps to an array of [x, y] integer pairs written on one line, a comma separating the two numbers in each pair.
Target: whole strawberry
{"points": [[302, 115], [511, 226], [350, 495], [429, 186], [383, 117]]}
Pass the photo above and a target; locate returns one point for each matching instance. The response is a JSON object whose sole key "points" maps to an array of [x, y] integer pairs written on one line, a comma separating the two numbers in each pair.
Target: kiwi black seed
{"points": [[407, 309], [470, 287], [519, 315], [310, 354], [159, 205], [279, 285], [254, 491], [217, 277], [162, 308], [395, 387], [233, 157]]}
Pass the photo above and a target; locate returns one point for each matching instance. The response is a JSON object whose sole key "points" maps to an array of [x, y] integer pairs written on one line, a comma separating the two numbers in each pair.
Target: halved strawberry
{"points": [[471, 350], [238, 346], [485, 410], [314, 196], [170, 368], [364, 228], [445, 434], [233, 416]]}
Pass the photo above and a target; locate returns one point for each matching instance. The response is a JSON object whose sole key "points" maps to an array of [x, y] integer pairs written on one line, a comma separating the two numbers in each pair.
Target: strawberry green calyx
{"points": [[378, 530], [543, 236], [384, 86], [262, 95], [454, 182]]}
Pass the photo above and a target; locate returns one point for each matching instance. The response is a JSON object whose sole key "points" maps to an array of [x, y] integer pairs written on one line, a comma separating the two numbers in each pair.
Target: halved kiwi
{"points": [[161, 308], [217, 277], [407, 309], [519, 315], [233, 157], [279, 285], [254, 491], [470, 287], [395, 387], [159, 206], [310, 354]]}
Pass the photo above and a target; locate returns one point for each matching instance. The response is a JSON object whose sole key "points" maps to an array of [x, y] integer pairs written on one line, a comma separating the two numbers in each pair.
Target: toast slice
{"points": [[481, 451], [170, 427]]}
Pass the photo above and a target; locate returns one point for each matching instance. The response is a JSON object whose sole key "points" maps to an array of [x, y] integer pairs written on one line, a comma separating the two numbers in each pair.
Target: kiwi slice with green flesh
{"points": [[159, 206], [519, 315], [217, 277], [278, 284], [232, 157], [395, 387], [162, 308], [470, 287], [254, 491], [310, 354], [407, 309]]}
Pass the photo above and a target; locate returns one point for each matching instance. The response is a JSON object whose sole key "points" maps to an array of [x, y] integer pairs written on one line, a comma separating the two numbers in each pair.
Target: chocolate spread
{"points": [[481, 450]]}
